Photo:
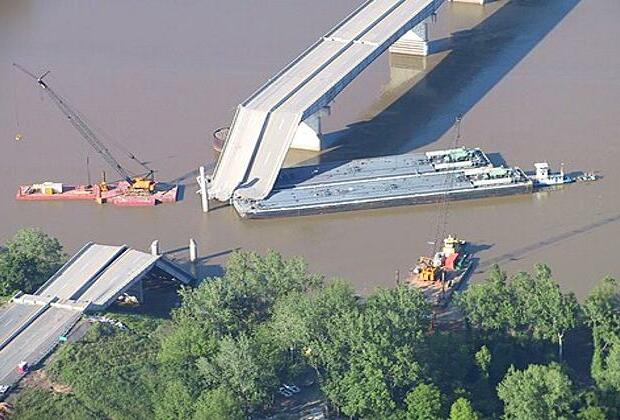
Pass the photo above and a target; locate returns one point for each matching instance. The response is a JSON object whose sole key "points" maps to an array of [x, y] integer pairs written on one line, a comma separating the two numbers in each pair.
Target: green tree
{"points": [[491, 305], [537, 393], [318, 325], [28, 260], [364, 352], [612, 368], [218, 404], [174, 402], [231, 311], [364, 390], [446, 359], [602, 309], [245, 295], [548, 311], [424, 403], [483, 360], [242, 367], [383, 363], [461, 409], [591, 413]]}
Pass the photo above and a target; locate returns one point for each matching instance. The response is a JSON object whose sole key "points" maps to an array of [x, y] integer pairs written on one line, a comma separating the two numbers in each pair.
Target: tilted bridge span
{"points": [[266, 124]]}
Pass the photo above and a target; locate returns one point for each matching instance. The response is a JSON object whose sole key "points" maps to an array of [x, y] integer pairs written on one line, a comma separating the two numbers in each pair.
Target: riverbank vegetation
{"points": [[235, 340], [27, 260]]}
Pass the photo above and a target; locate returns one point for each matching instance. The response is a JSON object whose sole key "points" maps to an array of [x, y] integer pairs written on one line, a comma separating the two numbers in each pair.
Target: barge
{"points": [[421, 178], [120, 193], [439, 276]]}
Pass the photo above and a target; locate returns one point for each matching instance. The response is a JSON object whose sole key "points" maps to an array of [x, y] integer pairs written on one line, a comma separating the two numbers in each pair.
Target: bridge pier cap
{"points": [[266, 124]]}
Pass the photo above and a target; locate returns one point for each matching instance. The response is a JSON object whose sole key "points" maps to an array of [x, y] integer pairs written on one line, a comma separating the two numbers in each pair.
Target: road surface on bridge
{"points": [[265, 124]]}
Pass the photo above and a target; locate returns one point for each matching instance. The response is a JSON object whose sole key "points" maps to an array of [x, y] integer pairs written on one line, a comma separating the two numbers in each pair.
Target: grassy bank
{"points": [[108, 374]]}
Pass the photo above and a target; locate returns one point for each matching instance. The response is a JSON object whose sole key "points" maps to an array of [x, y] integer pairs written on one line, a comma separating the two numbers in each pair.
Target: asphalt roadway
{"points": [[12, 316], [36, 341]]}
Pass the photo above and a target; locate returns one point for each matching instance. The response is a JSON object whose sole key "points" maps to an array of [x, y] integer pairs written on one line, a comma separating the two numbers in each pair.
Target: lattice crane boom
{"points": [[84, 130]]}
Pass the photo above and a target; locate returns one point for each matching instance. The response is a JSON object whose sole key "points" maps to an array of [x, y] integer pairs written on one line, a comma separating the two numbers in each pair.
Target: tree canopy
{"points": [[537, 393], [27, 260], [461, 409], [602, 309], [529, 304], [234, 342], [424, 403]]}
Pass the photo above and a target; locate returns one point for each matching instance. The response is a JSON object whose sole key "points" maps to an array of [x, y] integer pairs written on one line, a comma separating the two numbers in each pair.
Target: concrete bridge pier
{"points": [[309, 135], [416, 41]]}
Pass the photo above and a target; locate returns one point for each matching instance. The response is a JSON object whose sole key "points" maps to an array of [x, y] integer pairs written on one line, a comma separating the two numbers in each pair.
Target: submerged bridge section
{"points": [[265, 124]]}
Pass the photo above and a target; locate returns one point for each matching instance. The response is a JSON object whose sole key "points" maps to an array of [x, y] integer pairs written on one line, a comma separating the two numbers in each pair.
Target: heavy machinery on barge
{"points": [[132, 190], [439, 276]]}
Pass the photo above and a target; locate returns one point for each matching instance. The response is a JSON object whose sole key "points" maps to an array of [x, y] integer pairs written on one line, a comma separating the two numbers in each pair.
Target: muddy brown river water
{"points": [[535, 79]]}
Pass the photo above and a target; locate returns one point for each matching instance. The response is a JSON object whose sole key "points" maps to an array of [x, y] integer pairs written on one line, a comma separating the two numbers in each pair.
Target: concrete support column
{"points": [[202, 181], [193, 250], [414, 42], [155, 247], [309, 135]]}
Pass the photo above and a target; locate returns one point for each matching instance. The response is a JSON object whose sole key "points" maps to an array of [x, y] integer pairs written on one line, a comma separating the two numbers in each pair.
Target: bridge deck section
{"points": [[91, 280], [35, 341], [12, 317], [265, 124], [125, 271], [89, 264]]}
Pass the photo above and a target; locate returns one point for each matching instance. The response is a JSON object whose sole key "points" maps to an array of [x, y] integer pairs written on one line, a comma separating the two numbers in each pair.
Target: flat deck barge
{"points": [[454, 174], [119, 194]]}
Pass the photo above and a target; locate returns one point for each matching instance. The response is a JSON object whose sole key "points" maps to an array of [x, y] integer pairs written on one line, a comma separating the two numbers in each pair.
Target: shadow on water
{"points": [[479, 58], [522, 252]]}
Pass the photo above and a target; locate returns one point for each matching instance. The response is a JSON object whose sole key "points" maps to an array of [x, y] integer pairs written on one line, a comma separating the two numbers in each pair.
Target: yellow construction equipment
{"points": [[143, 184], [427, 271]]}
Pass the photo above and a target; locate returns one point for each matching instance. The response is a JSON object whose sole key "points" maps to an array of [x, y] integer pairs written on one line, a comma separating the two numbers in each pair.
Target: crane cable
{"points": [[18, 135], [76, 119], [443, 202]]}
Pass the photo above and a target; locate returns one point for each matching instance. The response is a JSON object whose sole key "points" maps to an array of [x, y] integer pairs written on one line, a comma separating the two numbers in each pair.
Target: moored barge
{"points": [[422, 178], [119, 193]]}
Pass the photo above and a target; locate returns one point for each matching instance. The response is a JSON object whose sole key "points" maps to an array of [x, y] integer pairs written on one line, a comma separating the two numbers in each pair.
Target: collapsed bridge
{"points": [[91, 281], [266, 124]]}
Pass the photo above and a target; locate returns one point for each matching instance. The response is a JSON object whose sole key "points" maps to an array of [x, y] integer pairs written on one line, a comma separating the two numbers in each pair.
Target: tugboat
{"points": [[439, 276], [544, 177]]}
